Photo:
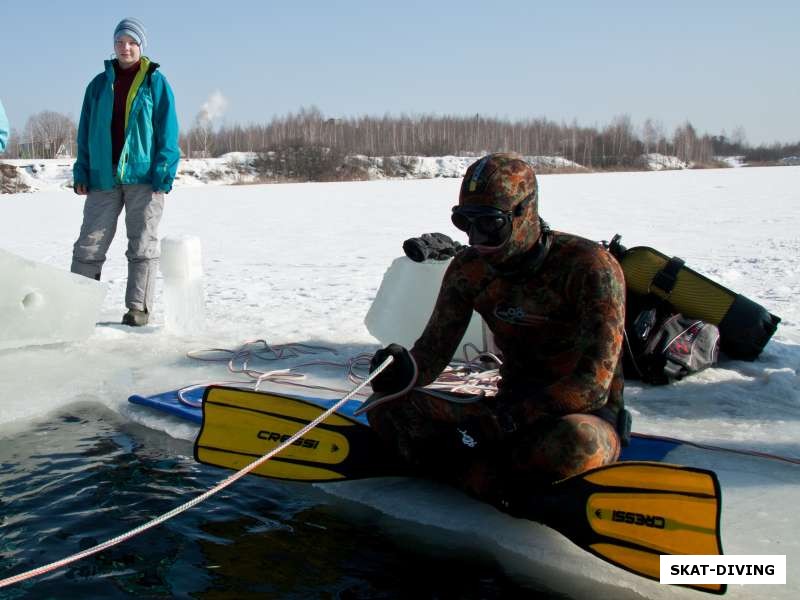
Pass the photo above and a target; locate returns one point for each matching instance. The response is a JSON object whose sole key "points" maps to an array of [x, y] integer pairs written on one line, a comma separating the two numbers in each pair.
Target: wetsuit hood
{"points": [[504, 181]]}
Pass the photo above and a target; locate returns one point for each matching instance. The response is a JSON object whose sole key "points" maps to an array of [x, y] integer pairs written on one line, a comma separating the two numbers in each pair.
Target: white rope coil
{"points": [[240, 361]]}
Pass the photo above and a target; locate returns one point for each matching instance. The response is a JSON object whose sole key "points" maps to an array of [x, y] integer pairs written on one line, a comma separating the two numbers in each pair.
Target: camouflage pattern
{"points": [[433, 436], [502, 181], [560, 331]]}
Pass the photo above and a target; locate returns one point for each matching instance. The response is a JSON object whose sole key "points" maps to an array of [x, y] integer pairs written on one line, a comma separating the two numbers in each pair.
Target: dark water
{"points": [[85, 475]]}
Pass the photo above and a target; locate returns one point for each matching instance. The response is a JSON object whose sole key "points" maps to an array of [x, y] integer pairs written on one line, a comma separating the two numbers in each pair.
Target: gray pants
{"points": [[143, 210]]}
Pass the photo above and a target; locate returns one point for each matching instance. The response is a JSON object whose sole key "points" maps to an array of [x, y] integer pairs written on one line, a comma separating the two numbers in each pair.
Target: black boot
{"points": [[135, 318]]}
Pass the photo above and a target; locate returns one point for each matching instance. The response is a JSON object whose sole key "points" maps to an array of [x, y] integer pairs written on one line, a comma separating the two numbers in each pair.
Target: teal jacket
{"points": [[3, 128], [150, 153]]}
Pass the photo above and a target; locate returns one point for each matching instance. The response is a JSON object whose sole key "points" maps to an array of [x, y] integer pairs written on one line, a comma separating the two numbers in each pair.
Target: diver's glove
{"points": [[398, 374], [431, 246]]}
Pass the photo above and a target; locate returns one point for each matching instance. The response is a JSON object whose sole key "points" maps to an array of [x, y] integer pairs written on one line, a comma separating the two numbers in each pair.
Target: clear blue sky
{"points": [[718, 64]]}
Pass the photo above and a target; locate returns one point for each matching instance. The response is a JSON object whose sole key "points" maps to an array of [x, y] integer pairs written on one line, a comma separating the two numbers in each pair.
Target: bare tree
{"points": [[200, 138], [684, 140], [652, 136], [48, 134]]}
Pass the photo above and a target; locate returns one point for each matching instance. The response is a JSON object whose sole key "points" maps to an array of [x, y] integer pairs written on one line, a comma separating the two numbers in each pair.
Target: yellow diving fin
{"points": [[240, 426], [630, 513]]}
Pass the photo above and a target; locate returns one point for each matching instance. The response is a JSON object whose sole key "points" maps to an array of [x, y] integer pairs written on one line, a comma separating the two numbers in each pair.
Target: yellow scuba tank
{"points": [[745, 327]]}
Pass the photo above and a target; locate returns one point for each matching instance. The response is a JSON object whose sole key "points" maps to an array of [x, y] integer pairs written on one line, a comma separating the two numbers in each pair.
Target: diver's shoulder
{"points": [[569, 245], [570, 241]]}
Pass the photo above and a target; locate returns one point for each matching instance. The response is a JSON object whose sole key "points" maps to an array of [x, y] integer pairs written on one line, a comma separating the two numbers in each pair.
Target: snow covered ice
{"points": [[303, 263], [41, 304]]}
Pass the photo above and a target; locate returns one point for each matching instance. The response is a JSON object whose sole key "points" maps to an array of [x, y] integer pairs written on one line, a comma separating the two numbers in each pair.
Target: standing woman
{"points": [[127, 157]]}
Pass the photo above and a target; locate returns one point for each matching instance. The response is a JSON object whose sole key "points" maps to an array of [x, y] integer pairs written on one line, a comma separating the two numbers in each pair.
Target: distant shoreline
{"points": [[248, 168]]}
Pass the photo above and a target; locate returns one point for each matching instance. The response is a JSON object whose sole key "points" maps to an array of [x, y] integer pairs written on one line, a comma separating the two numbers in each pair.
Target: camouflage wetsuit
{"points": [[557, 315]]}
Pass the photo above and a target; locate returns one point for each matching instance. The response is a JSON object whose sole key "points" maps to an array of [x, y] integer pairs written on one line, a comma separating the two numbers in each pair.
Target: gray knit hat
{"points": [[132, 28]]}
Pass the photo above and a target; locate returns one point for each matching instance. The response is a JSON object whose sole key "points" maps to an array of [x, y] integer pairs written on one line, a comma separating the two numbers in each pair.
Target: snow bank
{"points": [[42, 174], [732, 161], [228, 169], [235, 168], [661, 162], [45, 175]]}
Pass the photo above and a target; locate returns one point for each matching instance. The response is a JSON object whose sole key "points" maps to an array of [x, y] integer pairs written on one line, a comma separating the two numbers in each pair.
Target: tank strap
{"points": [[665, 279]]}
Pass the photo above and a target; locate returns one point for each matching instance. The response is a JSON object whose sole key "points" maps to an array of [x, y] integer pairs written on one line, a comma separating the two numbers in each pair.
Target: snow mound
{"points": [[661, 162], [46, 175], [229, 169], [42, 174], [432, 167], [732, 161]]}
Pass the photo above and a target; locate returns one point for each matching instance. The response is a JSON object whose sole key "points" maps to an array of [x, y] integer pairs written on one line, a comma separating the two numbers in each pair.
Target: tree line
{"points": [[617, 145]]}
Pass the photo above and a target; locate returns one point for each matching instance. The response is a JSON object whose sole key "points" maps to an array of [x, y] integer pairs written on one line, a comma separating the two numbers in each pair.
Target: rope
{"points": [[239, 362], [197, 500], [756, 453]]}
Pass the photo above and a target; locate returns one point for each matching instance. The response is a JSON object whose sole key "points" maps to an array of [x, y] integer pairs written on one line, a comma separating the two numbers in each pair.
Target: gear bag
{"points": [[744, 326], [662, 345]]}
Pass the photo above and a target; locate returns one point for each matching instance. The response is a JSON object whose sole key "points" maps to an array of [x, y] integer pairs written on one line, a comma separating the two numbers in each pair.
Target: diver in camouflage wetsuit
{"points": [[555, 304]]}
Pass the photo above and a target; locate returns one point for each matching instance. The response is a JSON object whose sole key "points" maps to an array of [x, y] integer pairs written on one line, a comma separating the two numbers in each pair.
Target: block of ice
{"points": [[41, 304], [181, 265], [405, 301], [181, 257]]}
